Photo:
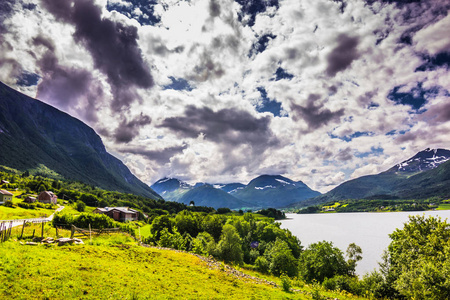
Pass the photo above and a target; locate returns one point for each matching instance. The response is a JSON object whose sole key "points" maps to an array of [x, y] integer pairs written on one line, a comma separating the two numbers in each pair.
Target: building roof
{"points": [[6, 193], [50, 193], [121, 209]]}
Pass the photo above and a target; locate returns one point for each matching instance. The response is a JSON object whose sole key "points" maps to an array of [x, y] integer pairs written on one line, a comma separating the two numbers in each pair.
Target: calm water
{"points": [[367, 230]]}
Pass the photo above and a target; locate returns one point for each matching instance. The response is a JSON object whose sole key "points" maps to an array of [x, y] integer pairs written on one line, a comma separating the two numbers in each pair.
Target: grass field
{"points": [[445, 206], [114, 267]]}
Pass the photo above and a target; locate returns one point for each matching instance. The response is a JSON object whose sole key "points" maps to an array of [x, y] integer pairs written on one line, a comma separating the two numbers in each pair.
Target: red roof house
{"points": [[47, 197]]}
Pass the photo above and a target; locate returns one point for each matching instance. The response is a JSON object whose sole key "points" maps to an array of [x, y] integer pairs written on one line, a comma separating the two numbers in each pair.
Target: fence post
{"points": [[90, 236], [57, 235], [72, 232], [42, 231], [23, 227]]}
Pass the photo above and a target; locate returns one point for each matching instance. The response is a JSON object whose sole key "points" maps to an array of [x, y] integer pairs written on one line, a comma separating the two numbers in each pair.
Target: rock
{"points": [[31, 243]]}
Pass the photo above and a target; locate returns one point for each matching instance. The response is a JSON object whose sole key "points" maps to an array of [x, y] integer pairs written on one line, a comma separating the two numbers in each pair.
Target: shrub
{"points": [[262, 265], [285, 283], [9, 203]]}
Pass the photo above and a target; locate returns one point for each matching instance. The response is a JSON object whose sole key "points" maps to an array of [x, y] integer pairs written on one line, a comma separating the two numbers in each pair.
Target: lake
{"points": [[367, 230]]}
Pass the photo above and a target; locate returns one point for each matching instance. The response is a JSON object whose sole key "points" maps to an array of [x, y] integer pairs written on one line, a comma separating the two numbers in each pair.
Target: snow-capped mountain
{"points": [[262, 192], [424, 160]]}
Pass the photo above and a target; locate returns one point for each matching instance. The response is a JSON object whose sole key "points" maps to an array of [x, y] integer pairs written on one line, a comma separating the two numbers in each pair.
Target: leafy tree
{"points": [[203, 244], [354, 254], [80, 206], [417, 263], [321, 260], [281, 259], [229, 247]]}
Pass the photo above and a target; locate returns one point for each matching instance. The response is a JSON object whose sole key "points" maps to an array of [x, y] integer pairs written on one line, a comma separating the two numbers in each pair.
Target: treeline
{"points": [[252, 241], [73, 191], [374, 205]]}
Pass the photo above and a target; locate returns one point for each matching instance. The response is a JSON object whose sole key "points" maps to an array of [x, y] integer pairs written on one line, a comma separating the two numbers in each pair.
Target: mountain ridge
{"points": [[263, 191], [33, 133]]}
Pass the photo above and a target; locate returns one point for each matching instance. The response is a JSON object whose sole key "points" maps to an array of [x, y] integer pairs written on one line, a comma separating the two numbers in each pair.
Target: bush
{"points": [[80, 206], [26, 205], [321, 260], [262, 265], [9, 203], [285, 283]]}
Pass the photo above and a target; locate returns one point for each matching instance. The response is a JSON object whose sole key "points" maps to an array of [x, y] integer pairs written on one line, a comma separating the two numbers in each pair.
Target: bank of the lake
{"points": [[368, 230]]}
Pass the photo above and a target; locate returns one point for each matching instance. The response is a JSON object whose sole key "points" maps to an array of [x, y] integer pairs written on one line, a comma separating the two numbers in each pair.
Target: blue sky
{"points": [[223, 91]]}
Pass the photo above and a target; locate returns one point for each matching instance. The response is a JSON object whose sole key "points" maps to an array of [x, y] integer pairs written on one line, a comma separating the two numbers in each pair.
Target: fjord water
{"points": [[367, 230]]}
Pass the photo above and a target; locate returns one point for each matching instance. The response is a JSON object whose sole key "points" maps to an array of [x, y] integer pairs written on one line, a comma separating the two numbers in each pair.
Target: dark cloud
{"points": [[207, 69], [345, 154], [214, 8], [113, 47], [342, 56], [64, 86], [228, 126], [342, 4], [127, 131], [314, 114], [161, 156], [6, 9]]}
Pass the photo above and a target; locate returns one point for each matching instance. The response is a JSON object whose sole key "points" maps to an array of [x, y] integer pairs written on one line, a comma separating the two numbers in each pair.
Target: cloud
{"points": [[342, 56], [113, 47], [229, 126], [314, 114], [160, 156], [127, 131]]}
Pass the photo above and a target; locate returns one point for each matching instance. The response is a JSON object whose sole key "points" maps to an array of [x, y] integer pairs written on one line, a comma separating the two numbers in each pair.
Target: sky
{"points": [[223, 91]]}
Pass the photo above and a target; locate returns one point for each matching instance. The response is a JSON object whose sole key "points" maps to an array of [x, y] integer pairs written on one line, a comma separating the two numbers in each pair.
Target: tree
{"points": [[417, 263], [281, 259], [80, 206], [229, 247], [354, 254], [321, 260]]}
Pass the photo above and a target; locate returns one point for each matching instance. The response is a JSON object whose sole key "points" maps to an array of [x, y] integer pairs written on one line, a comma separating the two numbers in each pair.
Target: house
{"points": [[47, 197], [121, 214], [29, 199], [5, 196]]}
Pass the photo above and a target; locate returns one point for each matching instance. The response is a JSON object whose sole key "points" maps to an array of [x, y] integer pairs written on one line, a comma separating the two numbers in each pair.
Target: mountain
{"points": [[262, 192], [230, 188], [171, 189], [274, 191], [37, 136], [207, 195], [423, 161], [424, 175]]}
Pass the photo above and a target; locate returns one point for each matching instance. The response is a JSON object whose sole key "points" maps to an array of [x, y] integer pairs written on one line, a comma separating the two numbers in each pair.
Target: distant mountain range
{"points": [[262, 192], [37, 136], [427, 174]]}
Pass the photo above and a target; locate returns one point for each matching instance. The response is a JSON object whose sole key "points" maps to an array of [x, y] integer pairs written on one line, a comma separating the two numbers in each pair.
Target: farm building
{"points": [[47, 197], [29, 199], [121, 214], [5, 196]]}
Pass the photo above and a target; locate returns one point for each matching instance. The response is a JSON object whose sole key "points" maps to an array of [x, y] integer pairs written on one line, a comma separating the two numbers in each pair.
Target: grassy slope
{"points": [[9, 213], [105, 272]]}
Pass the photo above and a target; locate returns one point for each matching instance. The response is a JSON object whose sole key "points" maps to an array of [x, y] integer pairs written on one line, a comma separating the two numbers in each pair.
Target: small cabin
{"points": [[29, 199], [47, 197], [5, 196], [121, 214]]}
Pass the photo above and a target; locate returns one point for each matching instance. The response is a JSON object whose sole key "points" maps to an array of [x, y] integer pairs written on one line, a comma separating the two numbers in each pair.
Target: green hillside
{"points": [[35, 137]]}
